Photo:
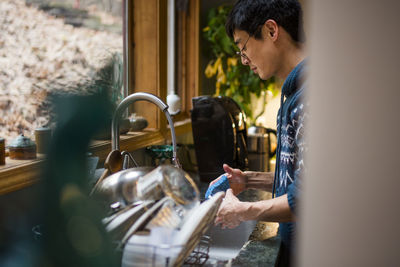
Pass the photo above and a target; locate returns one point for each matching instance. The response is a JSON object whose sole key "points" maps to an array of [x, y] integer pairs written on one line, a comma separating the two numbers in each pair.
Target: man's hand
{"points": [[232, 211], [229, 213], [237, 179]]}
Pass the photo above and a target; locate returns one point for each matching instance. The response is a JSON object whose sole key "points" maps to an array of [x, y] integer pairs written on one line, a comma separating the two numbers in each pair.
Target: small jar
{"points": [[42, 138], [22, 148], [2, 151]]}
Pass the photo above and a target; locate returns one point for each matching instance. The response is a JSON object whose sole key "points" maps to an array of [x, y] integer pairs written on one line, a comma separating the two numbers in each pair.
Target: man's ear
{"points": [[271, 29]]}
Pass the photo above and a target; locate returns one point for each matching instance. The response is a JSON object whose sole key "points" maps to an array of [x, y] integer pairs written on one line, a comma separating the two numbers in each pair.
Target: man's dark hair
{"points": [[249, 15]]}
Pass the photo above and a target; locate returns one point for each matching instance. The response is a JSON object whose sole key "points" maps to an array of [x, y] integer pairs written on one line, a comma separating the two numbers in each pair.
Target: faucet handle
{"points": [[176, 162]]}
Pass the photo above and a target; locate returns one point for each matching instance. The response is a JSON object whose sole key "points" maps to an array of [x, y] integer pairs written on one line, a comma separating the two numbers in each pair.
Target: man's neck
{"points": [[292, 54]]}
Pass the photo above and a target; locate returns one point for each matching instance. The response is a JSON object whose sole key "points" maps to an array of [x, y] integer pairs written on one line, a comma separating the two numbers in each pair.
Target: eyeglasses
{"points": [[240, 53]]}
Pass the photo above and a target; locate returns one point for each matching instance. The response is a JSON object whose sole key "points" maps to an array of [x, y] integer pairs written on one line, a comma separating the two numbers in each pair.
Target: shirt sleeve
{"points": [[292, 195], [299, 116]]}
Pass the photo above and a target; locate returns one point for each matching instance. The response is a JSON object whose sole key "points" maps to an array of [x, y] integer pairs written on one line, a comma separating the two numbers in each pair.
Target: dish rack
{"points": [[199, 255], [160, 255], [174, 247]]}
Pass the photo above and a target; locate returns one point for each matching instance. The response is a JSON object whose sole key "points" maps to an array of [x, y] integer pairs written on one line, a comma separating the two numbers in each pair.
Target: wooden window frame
{"points": [[150, 35], [188, 69], [147, 63]]}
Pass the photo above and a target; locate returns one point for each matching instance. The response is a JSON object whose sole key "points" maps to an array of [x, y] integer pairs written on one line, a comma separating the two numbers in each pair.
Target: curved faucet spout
{"points": [[136, 97]]}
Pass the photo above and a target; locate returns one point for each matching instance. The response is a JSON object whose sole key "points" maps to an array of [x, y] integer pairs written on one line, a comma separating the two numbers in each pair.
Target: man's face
{"points": [[259, 55]]}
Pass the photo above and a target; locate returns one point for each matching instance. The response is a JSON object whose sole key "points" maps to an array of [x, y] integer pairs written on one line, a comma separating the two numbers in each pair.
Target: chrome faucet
{"points": [[150, 98]]}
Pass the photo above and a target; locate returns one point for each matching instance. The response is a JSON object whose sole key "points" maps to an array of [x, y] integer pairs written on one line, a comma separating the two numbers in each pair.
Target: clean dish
{"points": [[151, 248], [170, 215], [137, 252], [197, 223], [120, 223], [171, 181], [166, 245], [143, 219]]}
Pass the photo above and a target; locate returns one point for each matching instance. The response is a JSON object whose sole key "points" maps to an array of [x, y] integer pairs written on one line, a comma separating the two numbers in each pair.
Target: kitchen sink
{"points": [[226, 243]]}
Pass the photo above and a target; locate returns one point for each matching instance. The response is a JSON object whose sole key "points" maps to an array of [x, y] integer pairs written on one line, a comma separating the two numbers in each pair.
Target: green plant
{"points": [[232, 78]]}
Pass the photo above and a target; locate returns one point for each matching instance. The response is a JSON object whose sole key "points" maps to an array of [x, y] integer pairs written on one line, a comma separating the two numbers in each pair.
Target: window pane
{"points": [[49, 46]]}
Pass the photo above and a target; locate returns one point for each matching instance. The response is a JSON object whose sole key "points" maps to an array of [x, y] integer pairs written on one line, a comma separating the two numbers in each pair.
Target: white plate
{"points": [[197, 223], [143, 219], [170, 216], [124, 220], [151, 248]]}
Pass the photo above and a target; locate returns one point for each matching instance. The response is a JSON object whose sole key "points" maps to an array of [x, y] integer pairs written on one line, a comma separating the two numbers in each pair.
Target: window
{"points": [[49, 46], [66, 53]]}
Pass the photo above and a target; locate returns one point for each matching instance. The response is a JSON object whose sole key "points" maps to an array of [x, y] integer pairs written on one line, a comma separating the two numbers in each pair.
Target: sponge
{"points": [[221, 185]]}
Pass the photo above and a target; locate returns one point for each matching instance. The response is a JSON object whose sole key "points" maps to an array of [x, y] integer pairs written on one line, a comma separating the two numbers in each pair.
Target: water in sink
{"points": [[226, 243]]}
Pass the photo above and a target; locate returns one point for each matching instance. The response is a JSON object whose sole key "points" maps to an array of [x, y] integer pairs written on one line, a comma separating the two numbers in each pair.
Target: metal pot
{"points": [[146, 183], [261, 146], [118, 190], [259, 140]]}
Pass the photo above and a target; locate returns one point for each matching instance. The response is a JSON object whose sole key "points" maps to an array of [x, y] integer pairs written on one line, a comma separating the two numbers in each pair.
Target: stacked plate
{"points": [[169, 243], [160, 219]]}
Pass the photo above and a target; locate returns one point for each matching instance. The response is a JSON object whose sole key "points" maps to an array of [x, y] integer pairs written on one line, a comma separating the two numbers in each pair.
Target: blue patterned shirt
{"points": [[291, 145]]}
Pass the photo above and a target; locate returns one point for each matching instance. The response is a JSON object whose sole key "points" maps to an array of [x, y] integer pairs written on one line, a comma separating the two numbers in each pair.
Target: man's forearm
{"points": [[271, 210], [259, 180]]}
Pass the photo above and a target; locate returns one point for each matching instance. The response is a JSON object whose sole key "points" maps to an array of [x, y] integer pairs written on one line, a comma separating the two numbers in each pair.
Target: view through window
{"points": [[53, 46]]}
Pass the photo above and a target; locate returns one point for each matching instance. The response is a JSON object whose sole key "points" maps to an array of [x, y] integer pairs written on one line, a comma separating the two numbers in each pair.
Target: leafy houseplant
{"points": [[232, 78]]}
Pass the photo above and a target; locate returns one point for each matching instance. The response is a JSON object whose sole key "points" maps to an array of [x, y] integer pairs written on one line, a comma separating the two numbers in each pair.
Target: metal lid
{"points": [[257, 130], [22, 141], [43, 129]]}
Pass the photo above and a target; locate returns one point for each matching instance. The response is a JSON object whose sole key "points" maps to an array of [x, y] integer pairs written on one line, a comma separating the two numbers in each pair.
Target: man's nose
{"points": [[245, 60]]}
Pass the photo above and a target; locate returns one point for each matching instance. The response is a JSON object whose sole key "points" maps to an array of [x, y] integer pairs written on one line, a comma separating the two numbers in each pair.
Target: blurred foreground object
{"points": [[72, 231]]}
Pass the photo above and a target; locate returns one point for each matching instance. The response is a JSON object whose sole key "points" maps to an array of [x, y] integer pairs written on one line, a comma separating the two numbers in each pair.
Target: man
{"points": [[268, 34]]}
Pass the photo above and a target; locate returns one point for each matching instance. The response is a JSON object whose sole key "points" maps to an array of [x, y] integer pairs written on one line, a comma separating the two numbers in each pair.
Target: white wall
{"points": [[350, 206], [268, 119]]}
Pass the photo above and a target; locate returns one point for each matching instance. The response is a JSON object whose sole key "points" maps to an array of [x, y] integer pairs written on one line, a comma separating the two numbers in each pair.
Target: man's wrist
{"points": [[246, 180], [259, 180], [244, 211]]}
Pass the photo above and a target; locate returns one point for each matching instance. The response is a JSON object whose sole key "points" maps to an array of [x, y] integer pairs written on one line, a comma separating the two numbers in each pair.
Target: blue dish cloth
{"points": [[221, 185]]}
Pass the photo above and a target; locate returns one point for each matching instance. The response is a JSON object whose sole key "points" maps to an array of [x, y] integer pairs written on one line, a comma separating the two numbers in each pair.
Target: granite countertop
{"points": [[263, 245]]}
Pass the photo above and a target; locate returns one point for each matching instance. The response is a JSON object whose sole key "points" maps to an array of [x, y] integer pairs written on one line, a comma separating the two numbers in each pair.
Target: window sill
{"points": [[18, 174]]}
